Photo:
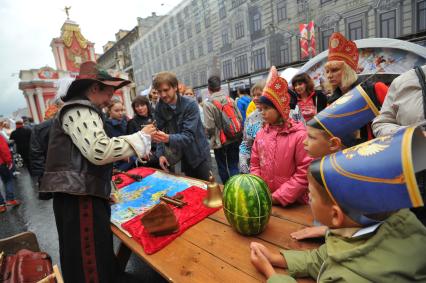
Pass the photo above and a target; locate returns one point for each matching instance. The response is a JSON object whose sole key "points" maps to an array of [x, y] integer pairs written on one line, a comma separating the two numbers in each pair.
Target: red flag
{"points": [[303, 41], [311, 30]]}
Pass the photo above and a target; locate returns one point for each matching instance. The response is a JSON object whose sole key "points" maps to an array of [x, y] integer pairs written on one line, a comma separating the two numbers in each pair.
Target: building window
{"points": [[157, 51], [186, 12], [210, 44], [325, 1], [182, 35], [421, 16], [282, 10], [189, 31], [301, 6], [222, 9], [200, 48], [191, 52], [227, 69], [205, 3], [239, 30], [325, 36], [171, 62], [186, 80], [207, 20], [203, 77], [355, 30], [168, 43], [179, 20], [388, 24], [174, 38], [241, 64], [225, 38], [259, 59], [257, 22], [284, 54], [184, 58], [177, 59], [197, 26], [194, 79], [236, 3]]}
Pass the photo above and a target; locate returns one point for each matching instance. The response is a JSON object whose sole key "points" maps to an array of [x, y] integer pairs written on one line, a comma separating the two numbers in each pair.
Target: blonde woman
{"points": [[341, 76]]}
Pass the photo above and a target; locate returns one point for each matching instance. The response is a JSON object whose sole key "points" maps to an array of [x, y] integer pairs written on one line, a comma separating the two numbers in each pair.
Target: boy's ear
{"points": [[335, 144], [337, 216]]}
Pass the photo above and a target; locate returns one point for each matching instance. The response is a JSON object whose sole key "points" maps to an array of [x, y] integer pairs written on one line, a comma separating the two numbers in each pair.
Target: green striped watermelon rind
{"points": [[247, 221]]}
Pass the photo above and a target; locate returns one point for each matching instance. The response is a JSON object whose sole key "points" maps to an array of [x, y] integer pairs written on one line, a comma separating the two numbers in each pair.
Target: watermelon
{"points": [[247, 203]]}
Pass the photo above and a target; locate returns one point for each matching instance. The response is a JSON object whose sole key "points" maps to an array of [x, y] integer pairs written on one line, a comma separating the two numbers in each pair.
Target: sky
{"points": [[27, 27]]}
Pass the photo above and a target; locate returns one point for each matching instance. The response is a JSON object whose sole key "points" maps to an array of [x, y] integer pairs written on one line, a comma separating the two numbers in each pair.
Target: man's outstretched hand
{"points": [[160, 136]]}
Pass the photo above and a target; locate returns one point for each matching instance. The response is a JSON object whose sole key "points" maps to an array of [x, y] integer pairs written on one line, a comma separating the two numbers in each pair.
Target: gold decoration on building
{"points": [[68, 30]]}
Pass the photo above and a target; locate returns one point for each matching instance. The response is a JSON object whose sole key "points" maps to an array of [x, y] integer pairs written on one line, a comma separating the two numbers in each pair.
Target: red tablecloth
{"points": [[187, 216], [141, 171]]}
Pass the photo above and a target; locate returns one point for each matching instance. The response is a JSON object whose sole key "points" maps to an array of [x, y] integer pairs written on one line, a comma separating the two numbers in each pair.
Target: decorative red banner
{"points": [[304, 53], [311, 30]]}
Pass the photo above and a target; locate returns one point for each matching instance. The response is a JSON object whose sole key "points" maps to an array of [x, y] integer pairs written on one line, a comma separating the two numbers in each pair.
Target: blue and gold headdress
{"points": [[346, 115], [376, 176]]}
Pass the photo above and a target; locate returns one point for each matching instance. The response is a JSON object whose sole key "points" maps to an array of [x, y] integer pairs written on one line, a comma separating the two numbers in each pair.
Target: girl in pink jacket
{"points": [[278, 156]]}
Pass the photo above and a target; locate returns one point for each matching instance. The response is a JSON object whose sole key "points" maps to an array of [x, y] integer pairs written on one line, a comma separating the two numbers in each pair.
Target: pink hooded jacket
{"points": [[279, 158]]}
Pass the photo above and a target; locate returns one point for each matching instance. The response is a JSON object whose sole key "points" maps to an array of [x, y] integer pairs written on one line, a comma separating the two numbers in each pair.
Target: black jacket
{"points": [[137, 122], [38, 147], [320, 100], [22, 137]]}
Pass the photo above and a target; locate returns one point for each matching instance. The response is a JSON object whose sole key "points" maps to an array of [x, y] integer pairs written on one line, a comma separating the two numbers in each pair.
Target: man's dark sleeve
{"points": [[131, 127], [13, 136], [37, 155], [186, 137]]}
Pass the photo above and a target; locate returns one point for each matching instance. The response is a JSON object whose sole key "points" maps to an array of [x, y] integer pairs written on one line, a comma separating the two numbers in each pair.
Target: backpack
{"points": [[231, 127]]}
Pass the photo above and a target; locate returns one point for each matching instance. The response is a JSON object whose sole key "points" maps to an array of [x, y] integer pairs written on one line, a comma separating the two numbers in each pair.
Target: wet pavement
{"points": [[37, 216]]}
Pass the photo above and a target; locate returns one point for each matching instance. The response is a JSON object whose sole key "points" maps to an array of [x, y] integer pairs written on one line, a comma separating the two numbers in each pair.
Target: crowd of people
{"points": [[280, 131]]}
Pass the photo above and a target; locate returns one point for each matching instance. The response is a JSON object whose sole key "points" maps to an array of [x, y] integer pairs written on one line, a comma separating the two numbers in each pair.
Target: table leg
{"points": [[123, 255]]}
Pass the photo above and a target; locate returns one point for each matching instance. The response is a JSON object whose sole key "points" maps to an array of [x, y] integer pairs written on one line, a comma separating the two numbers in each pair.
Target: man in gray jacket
{"points": [[405, 106], [227, 153]]}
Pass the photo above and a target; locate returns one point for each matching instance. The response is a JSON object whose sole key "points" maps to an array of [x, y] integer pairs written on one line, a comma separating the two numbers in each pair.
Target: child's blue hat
{"points": [[346, 115], [376, 176]]}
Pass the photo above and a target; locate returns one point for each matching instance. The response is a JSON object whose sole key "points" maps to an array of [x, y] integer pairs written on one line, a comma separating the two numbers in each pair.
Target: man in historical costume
{"points": [[341, 75], [78, 171], [181, 134]]}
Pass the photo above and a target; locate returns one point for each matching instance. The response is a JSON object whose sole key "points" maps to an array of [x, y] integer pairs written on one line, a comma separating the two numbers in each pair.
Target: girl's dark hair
{"points": [[303, 78], [141, 100]]}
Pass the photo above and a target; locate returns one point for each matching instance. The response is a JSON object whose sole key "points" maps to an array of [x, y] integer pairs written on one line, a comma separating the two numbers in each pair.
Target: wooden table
{"points": [[211, 251]]}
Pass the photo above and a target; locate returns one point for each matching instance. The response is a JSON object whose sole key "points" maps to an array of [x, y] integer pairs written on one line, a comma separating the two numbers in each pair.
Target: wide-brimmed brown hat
{"points": [[89, 73]]}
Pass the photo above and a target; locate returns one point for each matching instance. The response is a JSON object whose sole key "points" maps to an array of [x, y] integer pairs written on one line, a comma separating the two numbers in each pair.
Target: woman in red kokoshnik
{"points": [[341, 76]]}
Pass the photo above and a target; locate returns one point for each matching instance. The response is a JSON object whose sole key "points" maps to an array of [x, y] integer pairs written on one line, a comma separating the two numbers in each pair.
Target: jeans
{"points": [[227, 160], [7, 178]]}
